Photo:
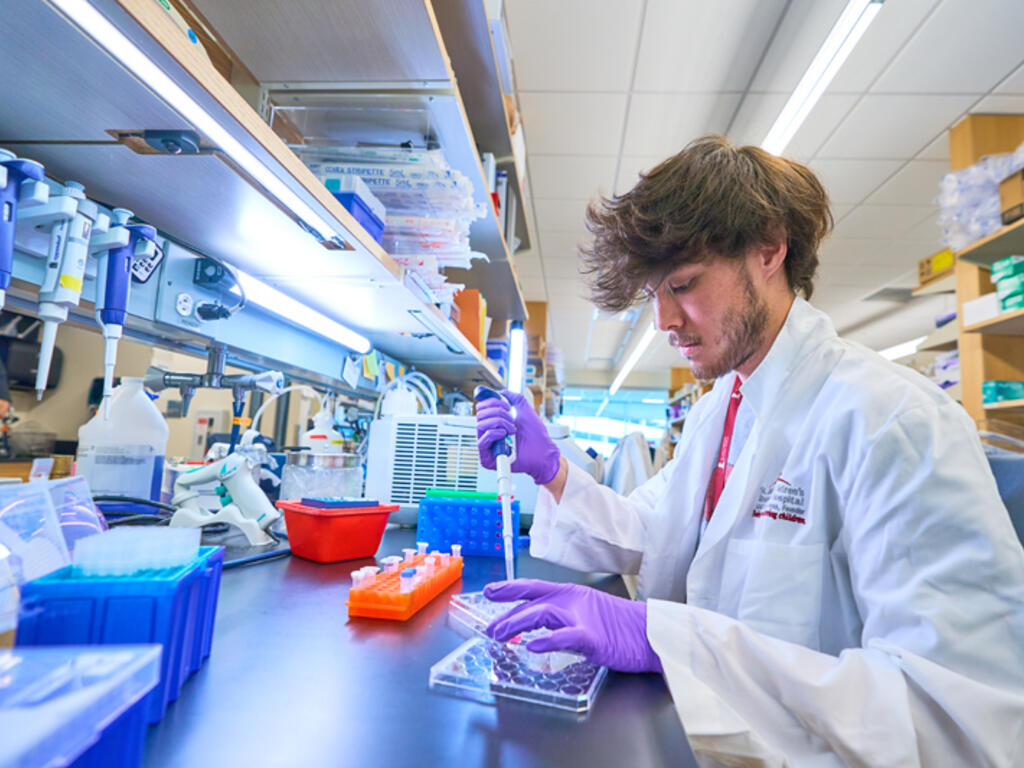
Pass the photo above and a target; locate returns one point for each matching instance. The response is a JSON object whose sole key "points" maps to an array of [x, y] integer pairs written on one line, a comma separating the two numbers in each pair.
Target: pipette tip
{"points": [[39, 395]]}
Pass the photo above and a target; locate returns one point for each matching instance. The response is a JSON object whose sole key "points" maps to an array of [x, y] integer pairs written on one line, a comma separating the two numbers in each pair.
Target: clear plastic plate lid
{"points": [[55, 702]]}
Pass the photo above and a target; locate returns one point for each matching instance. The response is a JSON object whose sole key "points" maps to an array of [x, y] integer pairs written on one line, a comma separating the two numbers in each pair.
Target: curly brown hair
{"points": [[711, 199]]}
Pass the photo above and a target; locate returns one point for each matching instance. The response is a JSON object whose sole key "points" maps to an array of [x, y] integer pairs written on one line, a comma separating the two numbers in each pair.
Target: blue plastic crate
{"points": [[361, 212], [174, 607], [77, 706], [473, 523]]}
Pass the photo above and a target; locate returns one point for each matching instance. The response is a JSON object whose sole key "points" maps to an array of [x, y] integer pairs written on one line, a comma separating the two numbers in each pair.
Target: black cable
{"points": [[111, 499], [137, 520]]}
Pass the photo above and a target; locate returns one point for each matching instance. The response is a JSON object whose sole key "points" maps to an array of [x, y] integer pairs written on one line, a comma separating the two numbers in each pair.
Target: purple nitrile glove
{"points": [[536, 454], [608, 630]]}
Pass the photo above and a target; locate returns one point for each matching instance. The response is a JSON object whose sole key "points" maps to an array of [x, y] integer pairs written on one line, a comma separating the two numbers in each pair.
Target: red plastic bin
{"points": [[330, 535]]}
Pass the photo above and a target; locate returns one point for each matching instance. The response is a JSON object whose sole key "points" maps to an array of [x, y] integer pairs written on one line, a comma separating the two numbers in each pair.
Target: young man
{"points": [[829, 573]]}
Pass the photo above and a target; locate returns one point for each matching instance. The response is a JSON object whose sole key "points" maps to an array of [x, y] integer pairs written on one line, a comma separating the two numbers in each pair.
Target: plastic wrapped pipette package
{"points": [[30, 531], [486, 670]]}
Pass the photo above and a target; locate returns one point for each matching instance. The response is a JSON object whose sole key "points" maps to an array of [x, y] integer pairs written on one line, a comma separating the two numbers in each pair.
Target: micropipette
{"points": [[13, 171], [504, 454], [114, 250], [65, 269]]}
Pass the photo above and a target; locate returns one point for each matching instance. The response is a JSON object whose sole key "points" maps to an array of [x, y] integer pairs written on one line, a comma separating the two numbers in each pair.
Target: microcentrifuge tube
{"points": [[456, 550], [422, 547], [391, 563], [406, 580], [357, 578], [409, 554], [370, 571]]}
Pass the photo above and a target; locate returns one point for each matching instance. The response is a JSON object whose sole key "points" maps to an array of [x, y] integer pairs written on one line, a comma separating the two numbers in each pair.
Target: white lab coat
{"points": [[857, 597]]}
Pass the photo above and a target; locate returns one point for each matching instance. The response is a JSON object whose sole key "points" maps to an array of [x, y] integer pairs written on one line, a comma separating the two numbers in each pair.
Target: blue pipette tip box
{"points": [[338, 502]]}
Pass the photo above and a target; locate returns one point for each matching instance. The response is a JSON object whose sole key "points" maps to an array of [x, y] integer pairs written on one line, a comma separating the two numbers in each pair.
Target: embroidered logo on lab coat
{"points": [[782, 501]]}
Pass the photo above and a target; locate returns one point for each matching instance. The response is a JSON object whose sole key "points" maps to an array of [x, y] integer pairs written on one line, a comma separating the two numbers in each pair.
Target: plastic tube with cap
{"points": [[390, 563], [409, 554], [421, 546], [406, 580], [456, 550]]}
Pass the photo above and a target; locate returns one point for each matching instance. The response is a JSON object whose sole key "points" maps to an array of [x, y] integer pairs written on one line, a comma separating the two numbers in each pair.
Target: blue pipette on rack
{"points": [[114, 250], [13, 171], [504, 455]]}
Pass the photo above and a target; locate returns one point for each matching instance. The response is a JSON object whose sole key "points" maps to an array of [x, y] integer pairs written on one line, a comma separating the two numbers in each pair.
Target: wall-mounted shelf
{"points": [[467, 36], [1007, 240], [1006, 405], [1006, 324], [312, 52], [945, 284], [62, 116], [941, 339]]}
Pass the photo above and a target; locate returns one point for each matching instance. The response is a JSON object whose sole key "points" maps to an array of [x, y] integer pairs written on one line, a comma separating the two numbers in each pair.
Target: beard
{"points": [[742, 333]]}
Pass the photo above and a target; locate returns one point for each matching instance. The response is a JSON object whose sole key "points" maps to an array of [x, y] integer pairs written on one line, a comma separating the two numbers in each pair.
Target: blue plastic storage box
{"points": [[174, 607], [75, 706], [475, 523], [361, 212]]}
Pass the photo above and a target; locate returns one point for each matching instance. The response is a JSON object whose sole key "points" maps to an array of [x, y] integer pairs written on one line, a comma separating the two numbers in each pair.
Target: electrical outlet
{"points": [[184, 304]]}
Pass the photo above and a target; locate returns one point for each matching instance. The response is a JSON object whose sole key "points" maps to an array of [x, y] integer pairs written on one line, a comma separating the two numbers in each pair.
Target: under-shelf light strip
{"points": [[847, 32], [271, 299], [106, 35], [517, 357]]}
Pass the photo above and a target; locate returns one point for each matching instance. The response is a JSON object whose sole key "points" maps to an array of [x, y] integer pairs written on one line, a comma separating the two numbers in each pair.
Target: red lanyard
{"points": [[721, 471]]}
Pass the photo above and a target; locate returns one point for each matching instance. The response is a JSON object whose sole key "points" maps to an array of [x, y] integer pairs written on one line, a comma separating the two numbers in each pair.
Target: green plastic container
{"points": [[1008, 267], [1010, 286], [449, 494], [1013, 302], [1001, 391]]}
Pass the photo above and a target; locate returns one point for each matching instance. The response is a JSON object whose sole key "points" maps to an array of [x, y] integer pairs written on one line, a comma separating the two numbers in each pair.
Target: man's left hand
{"points": [[608, 630]]}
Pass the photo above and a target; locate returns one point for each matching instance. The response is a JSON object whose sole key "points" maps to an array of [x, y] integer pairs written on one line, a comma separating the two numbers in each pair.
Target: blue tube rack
{"points": [[175, 607], [475, 524]]}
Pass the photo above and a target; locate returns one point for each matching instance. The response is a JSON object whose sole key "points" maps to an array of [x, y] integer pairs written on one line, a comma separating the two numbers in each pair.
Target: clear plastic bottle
{"points": [[123, 455]]}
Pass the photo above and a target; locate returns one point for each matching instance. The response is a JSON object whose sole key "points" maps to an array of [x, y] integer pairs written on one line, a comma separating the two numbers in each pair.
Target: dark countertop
{"points": [[291, 681]]}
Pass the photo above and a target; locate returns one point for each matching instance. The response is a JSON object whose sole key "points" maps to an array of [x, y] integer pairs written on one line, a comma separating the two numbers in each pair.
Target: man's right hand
{"points": [[536, 454]]}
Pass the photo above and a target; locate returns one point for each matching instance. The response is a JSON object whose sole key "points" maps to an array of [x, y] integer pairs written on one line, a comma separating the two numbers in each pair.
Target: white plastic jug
{"points": [[123, 455]]}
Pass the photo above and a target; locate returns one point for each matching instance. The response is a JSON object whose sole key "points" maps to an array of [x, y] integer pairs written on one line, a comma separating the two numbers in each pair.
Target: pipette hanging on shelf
{"points": [[114, 250], [13, 171]]}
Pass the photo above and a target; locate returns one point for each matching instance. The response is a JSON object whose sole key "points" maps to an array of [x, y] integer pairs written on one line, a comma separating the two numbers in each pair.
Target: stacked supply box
{"points": [[1008, 276], [467, 518], [171, 606]]}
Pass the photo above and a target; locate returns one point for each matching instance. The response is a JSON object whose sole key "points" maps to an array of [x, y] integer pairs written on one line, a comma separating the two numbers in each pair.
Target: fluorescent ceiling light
{"points": [[853, 22], [94, 24], [600, 408], [633, 359], [653, 400], [285, 306], [571, 397], [517, 357], [897, 351]]}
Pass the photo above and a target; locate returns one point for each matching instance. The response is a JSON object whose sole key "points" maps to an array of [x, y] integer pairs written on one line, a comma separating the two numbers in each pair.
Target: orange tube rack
{"points": [[381, 598]]}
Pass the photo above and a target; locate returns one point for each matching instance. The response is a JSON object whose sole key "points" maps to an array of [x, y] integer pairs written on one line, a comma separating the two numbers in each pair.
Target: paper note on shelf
{"points": [[350, 372]]}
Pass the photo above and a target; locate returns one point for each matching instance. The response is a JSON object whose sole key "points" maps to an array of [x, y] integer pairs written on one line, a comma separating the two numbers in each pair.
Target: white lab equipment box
{"points": [[409, 454]]}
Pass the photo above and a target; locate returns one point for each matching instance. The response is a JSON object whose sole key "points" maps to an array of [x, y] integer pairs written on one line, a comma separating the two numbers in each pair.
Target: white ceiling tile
{"points": [[927, 233], [888, 33], [759, 111], [838, 211], [571, 291], [854, 251], [1000, 104], [1014, 84], [850, 181], [662, 124], [699, 46], [567, 177], [965, 46], [867, 275], [916, 183], [630, 169], [573, 123], [573, 45], [894, 126], [883, 221], [937, 150], [803, 30], [528, 264], [561, 215]]}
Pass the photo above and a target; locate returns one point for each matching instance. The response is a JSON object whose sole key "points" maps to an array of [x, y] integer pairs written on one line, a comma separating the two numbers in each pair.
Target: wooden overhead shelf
{"points": [[1006, 324], [1006, 405], [941, 339], [1002, 243]]}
